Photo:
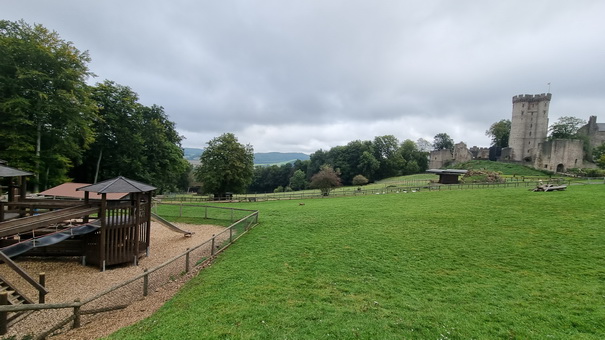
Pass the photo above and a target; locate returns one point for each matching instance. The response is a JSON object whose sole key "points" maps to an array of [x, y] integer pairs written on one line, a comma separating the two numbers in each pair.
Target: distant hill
{"points": [[260, 158], [192, 154], [270, 158]]}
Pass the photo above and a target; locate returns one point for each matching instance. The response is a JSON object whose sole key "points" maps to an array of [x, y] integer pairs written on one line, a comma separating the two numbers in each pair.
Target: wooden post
{"points": [[148, 221], [137, 224], [145, 283], [231, 235], [77, 319], [187, 261], [41, 294], [86, 201], [103, 236], [3, 315], [212, 250]]}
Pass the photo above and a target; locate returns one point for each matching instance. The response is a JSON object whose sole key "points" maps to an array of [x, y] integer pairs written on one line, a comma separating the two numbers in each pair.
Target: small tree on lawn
{"points": [[225, 166], [360, 180], [325, 180]]}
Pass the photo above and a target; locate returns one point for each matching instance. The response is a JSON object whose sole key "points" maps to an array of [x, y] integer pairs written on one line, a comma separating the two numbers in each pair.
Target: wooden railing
{"points": [[39, 286]]}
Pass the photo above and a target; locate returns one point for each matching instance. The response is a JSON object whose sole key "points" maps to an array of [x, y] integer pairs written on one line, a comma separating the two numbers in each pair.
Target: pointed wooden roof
{"points": [[7, 171], [118, 184]]}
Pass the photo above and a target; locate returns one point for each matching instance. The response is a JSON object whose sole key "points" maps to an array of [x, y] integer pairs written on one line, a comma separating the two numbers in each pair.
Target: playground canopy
{"points": [[118, 185], [7, 171]]}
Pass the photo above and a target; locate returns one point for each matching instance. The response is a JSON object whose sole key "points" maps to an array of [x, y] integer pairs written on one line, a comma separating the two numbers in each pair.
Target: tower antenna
{"points": [[548, 88]]}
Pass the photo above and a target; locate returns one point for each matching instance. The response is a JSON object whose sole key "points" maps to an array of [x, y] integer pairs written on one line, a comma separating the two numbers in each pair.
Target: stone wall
{"points": [[559, 155], [595, 131], [440, 159]]}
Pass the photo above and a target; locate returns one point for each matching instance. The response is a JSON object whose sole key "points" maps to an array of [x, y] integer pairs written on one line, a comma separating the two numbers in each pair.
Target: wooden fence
{"points": [[136, 287], [341, 192]]}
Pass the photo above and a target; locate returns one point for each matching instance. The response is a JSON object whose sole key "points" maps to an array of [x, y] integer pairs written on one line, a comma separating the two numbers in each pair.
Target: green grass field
{"points": [[467, 264]]}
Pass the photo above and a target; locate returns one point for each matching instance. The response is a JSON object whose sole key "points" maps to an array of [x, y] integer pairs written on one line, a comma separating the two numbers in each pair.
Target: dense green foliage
{"points": [[499, 133], [381, 158], [477, 264], [132, 140], [225, 166], [298, 181], [58, 127], [45, 104], [566, 128]]}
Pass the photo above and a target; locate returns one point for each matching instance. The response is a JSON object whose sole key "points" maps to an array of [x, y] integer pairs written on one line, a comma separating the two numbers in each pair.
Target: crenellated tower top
{"points": [[529, 98]]}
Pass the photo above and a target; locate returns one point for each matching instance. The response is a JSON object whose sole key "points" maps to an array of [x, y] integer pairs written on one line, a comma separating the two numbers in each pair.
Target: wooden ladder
{"points": [[15, 297]]}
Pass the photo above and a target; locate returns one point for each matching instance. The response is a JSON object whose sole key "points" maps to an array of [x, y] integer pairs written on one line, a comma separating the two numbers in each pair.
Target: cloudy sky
{"points": [[300, 75]]}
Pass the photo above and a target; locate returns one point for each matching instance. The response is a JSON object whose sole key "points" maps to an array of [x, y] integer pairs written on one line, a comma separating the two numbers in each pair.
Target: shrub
{"points": [[360, 180]]}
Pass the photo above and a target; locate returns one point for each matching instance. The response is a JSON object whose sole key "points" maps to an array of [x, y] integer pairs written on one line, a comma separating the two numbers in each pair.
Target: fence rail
{"points": [[308, 194], [123, 294]]}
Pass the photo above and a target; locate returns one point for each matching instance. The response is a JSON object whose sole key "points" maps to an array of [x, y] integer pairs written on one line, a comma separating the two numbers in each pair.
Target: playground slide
{"points": [[169, 225], [47, 240]]}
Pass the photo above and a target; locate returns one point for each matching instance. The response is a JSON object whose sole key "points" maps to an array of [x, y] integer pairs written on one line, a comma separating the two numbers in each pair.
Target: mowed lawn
{"points": [[464, 264]]}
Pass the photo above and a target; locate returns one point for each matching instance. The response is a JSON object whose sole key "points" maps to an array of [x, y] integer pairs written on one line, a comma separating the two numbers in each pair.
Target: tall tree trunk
{"points": [[98, 166], [38, 148]]}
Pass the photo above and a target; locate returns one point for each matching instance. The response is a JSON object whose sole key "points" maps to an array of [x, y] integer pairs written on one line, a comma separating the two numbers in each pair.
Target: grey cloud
{"points": [[297, 75]]}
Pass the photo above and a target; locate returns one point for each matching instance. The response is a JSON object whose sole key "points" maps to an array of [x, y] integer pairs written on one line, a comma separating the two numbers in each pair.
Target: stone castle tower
{"points": [[529, 125]]}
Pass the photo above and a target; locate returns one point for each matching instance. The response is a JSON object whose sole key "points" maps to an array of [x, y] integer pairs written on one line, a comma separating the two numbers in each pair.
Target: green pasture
{"points": [[463, 264]]}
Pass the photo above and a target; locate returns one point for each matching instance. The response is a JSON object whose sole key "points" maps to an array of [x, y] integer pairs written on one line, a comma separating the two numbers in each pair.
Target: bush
{"points": [[360, 180], [587, 172]]}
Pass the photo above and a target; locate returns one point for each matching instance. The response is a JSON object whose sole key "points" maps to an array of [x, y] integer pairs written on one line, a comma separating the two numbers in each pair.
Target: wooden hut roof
{"points": [[447, 171], [119, 184], [7, 171], [70, 190]]}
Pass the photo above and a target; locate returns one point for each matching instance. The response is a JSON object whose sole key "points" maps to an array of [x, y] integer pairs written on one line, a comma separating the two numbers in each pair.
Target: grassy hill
{"points": [[505, 168], [483, 264]]}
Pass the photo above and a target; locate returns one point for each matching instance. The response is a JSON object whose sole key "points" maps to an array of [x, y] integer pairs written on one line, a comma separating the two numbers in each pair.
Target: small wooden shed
{"points": [[125, 224], [448, 176]]}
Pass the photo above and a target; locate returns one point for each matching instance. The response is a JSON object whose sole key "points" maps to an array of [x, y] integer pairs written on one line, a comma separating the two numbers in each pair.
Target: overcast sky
{"points": [[298, 76]]}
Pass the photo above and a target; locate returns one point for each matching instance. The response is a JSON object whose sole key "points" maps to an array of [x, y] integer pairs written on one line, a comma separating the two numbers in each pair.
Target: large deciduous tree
{"points": [[225, 166], [499, 133], [44, 101], [298, 181], [133, 140], [566, 128], [443, 141]]}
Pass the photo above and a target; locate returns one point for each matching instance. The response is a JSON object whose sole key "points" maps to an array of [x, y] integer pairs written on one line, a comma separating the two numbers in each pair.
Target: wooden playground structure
{"points": [[103, 232]]}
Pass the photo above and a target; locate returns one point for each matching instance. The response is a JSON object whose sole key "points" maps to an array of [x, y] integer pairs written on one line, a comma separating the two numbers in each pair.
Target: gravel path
{"points": [[67, 279]]}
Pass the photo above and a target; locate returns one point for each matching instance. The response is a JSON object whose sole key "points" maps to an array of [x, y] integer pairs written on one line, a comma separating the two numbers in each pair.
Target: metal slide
{"points": [[170, 226], [46, 240]]}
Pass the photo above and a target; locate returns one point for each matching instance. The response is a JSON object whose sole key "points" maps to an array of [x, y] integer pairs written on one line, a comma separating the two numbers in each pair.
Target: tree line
{"points": [[60, 128], [356, 163]]}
